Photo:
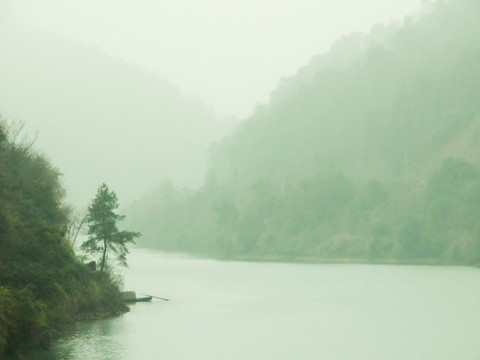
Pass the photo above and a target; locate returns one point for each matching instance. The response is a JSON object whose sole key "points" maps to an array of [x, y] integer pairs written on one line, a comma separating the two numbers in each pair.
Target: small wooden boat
{"points": [[131, 296], [140, 299]]}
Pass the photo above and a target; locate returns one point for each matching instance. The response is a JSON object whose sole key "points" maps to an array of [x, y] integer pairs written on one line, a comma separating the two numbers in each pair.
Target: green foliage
{"points": [[345, 162], [43, 286], [7, 317], [410, 239], [103, 234], [453, 211], [382, 243]]}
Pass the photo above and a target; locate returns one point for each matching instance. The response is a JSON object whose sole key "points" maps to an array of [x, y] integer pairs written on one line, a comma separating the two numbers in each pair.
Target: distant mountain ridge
{"points": [[101, 119]]}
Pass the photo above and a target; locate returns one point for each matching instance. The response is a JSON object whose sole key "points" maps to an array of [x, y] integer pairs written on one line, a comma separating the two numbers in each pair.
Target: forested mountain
{"points": [[101, 119], [402, 98], [371, 152], [43, 286]]}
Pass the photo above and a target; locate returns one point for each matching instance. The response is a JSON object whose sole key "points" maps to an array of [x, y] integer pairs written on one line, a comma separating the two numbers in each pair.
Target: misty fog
{"points": [[132, 84], [255, 180]]}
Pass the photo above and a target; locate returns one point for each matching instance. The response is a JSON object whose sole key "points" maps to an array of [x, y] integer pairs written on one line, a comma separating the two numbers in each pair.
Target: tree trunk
{"points": [[104, 243], [104, 255]]}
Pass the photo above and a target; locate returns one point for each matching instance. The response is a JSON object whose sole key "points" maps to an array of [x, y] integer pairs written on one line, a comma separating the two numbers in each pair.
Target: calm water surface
{"points": [[236, 310]]}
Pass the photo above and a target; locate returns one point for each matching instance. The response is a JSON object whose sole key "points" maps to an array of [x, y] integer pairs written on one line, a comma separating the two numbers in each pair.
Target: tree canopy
{"points": [[103, 232]]}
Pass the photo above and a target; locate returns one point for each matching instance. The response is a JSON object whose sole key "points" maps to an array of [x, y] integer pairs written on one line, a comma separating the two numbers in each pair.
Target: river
{"points": [[241, 310]]}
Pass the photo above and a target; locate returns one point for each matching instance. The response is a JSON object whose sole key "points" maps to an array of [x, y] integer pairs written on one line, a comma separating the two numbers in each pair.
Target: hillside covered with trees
{"points": [[370, 153], [43, 285]]}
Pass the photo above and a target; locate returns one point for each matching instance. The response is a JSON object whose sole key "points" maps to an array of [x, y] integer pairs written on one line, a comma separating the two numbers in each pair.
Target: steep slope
{"points": [[101, 119], [404, 98], [369, 154], [43, 286]]}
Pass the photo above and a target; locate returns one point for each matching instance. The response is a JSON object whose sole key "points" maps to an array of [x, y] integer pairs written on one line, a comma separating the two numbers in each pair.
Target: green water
{"points": [[235, 310]]}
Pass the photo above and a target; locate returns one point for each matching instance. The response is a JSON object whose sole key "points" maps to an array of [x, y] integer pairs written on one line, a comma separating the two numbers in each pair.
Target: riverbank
{"points": [[323, 260], [118, 310], [44, 286], [64, 329], [288, 259]]}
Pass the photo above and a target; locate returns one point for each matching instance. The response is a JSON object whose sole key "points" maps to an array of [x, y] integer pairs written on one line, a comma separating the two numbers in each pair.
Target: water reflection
{"points": [[101, 339]]}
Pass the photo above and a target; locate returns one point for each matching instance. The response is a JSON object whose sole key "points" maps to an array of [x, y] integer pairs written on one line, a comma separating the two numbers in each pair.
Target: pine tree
{"points": [[103, 234]]}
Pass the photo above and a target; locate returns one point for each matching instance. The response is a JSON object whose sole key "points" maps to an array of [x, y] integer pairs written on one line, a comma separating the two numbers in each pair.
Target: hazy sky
{"points": [[231, 54]]}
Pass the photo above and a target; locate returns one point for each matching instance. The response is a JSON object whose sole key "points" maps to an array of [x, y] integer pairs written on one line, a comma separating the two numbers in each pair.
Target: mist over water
{"points": [[237, 310], [321, 159]]}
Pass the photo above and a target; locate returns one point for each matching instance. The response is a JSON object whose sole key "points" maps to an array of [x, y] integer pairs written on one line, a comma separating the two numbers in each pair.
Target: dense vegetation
{"points": [[371, 152], [43, 286]]}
